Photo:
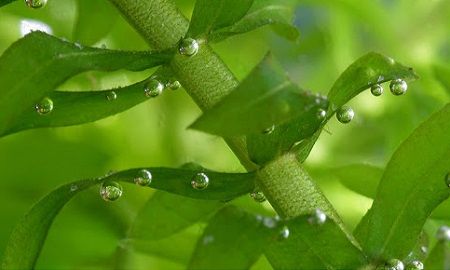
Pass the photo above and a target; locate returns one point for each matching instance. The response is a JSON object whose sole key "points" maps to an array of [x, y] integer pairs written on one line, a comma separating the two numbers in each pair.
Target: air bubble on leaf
{"points": [[143, 178], [424, 249], [284, 232], [268, 130], [35, 3], [111, 95], [415, 265], [443, 233], [321, 114], [110, 191], [376, 90], [394, 264], [317, 218], [45, 106], [345, 114], [398, 87], [153, 88], [447, 179], [380, 79], [200, 181], [188, 47], [258, 196], [173, 84], [73, 187]]}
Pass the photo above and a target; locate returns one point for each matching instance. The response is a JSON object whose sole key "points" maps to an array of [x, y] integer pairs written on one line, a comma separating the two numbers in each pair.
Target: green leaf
{"points": [[233, 239], [442, 73], [361, 178], [92, 25], [5, 2], [28, 236], [35, 65], [278, 13], [222, 186], [439, 257], [314, 246], [165, 214], [368, 70], [265, 98], [210, 15], [412, 185]]}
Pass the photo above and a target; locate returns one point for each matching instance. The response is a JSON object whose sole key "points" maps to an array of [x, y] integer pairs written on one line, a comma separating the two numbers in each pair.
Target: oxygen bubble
{"points": [[395, 264], [110, 191], [317, 218], [321, 114], [376, 90], [111, 95], [143, 178], [268, 130], [73, 187], [415, 265], [443, 233], [258, 196], [398, 87], [345, 114], [424, 249], [173, 84], [284, 233], [153, 88], [188, 47], [45, 106], [200, 181], [35, 3]]}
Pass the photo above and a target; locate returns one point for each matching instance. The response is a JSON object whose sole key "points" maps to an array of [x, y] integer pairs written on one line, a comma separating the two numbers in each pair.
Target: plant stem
{"points": [[207, 79]]}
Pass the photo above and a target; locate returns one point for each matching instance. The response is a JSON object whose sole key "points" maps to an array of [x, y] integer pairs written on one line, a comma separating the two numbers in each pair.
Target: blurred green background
{"points": [[334, 33]]}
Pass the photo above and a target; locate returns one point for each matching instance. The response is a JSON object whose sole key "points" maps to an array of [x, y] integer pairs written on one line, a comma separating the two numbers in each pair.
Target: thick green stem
{"points": [[207, 79]]}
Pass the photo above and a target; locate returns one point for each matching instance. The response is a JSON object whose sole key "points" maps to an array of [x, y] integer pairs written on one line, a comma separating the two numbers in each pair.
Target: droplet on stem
{"points": [[345, 114], [188, 47], [173, 84], [110, 191], [153, 88], [45, 106], [398, 87], [143, 178], [317, 218], [36, 3], [200, 181]]}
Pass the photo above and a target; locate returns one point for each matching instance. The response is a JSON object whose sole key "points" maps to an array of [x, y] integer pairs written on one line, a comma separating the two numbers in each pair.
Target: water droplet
{"points": [[188, 47], [321, 114], [398, 87], [268, 130], [110, 191], [173, 84], [73, 187], [284, 233], [345, 114], [111, 95], [35, 3], [317, 218], [258, 196], [376, 90], [424, 249], [415, 265], [380, 78], [153, 88], [395, 264], [200, 181], [45, 106], [443, 233], [143, 178], [447, 179], [78, 45]]}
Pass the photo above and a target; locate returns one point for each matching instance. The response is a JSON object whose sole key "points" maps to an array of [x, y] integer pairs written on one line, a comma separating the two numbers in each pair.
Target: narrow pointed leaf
{"points": [[265, 98], [439, 257], [165, 214], [27, 238], [222, 186], [233, 239], [314, 246], [370, 69], [412, 185], [36, 64]]}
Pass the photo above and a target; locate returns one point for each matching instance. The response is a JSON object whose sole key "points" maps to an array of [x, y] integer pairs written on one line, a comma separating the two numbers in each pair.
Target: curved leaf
{"points": [[5, 2], [233, 239], [28, 236], [314, 246], [361, 178], [412, 185], [36, 64], [442, 73], [165, 214], [368, 70], [439, 257]]}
